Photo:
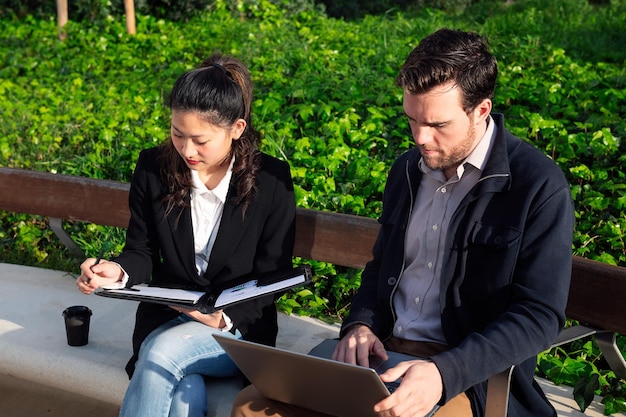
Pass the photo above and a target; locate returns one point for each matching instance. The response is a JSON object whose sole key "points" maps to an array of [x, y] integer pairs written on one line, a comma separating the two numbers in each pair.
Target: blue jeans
{"points": [[168, 379]]}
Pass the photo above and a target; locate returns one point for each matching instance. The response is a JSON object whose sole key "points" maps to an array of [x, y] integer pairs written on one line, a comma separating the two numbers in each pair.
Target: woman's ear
{"points": [[238, 128]]}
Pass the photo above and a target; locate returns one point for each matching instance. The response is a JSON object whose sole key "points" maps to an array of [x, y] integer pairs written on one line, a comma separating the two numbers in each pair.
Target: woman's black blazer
{"points": [[159, 248]]}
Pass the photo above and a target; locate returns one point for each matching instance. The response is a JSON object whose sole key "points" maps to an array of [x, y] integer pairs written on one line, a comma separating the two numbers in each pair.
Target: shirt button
{"points": [[391, 281], [417, 300], [430, 265], [434, 227], [399, 328], [443, 189]]}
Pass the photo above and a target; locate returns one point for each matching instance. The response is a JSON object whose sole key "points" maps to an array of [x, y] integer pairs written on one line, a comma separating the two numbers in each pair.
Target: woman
{"points": [[207, 210]]}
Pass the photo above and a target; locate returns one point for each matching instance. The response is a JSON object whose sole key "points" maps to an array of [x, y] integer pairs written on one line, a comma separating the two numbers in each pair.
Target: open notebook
{"points": [[311, 381], [207, 303]]}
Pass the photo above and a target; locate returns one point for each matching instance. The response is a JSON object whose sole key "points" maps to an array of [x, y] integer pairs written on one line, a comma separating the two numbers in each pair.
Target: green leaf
{"points": [[584, 391]]}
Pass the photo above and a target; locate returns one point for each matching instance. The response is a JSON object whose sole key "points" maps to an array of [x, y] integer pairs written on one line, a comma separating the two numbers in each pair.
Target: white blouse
{"points": [[207, 207]]}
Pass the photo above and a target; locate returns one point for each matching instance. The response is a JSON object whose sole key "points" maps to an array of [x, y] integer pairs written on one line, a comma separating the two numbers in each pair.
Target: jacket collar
{"points": [[496, 175]]}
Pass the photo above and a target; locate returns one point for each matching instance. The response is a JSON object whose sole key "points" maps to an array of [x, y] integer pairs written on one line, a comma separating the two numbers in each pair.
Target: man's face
{"points": [[443, 132]]}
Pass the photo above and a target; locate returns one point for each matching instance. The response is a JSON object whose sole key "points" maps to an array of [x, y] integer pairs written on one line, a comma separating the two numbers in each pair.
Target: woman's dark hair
{"points": [[220, 91], [451, 56]]}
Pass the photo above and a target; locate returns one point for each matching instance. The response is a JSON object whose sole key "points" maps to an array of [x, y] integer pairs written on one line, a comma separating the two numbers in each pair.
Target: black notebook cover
{"points": [[208, 303]]}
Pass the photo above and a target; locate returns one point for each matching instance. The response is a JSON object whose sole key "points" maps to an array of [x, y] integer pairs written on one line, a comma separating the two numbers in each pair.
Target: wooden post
{"points": [[62, 17], [129, 8]]}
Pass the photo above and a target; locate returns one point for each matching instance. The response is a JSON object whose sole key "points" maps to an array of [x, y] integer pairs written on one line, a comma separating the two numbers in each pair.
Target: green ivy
{"points": [[325, 102]]}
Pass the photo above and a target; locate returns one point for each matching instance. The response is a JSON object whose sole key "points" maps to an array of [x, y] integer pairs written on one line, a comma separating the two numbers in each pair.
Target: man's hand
{"points": [[358, 344], [420, 390]]}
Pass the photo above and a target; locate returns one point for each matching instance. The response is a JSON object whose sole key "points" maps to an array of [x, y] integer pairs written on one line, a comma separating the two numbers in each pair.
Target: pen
{"points": [[99, 258]]}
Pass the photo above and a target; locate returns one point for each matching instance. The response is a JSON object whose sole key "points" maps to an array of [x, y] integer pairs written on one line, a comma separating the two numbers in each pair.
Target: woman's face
{"points": [[203, 146]]}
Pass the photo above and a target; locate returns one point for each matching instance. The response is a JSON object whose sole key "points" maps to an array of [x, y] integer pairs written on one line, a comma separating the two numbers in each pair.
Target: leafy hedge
{"points": [[325, 97], [81, 10], [325, 102]]}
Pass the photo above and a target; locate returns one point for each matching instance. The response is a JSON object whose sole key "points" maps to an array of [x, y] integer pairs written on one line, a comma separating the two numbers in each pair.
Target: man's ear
{"points": [[238, 128], [482, 111]]}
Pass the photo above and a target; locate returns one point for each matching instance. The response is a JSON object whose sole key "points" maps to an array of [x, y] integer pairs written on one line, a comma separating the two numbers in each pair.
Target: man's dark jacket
{"points": [[505, 274]]}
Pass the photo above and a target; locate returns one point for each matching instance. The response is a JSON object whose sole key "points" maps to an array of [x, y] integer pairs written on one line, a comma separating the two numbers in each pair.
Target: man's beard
{"points": [[456, 155]]}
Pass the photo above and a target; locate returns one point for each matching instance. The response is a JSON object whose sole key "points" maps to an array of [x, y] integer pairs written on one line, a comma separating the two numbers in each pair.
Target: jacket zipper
{"points": [[393, 292]]}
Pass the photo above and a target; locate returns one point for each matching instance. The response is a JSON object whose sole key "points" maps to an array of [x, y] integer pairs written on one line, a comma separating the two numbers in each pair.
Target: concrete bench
{"points": [[31, 307], [33, 344]]}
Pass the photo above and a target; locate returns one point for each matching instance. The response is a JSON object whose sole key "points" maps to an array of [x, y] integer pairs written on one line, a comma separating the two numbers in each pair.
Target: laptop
{"points": [[312, 381]]}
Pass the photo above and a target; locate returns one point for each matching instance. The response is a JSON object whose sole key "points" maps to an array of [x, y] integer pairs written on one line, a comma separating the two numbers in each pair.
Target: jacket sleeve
{"points": [[364, 308], [256, 319], [371, 305], [141, 246], [275, 246]]}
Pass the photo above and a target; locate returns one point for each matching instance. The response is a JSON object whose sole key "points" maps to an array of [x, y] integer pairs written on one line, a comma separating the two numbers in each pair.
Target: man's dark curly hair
{"points": [[448, 55]]}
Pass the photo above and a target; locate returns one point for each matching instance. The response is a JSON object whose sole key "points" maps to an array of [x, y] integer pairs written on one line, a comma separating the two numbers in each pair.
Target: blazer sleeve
{"points": [[256, 319], [141, 247], [275, 245]]}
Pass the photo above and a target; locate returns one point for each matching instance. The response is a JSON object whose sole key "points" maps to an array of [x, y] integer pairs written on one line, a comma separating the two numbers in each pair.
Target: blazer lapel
{"points": [[182, 235], [230, 232]]}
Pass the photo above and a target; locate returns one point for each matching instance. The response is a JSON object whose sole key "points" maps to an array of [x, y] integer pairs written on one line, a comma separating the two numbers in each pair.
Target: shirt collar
{"points": [[478, 157], [220, 191]]}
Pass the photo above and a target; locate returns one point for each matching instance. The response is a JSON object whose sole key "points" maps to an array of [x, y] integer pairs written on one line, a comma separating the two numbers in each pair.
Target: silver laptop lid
{"points": [[316, 383]]}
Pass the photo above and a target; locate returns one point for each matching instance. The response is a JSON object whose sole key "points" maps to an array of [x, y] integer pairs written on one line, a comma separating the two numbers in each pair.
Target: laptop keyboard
{"points": [[392, 386]]}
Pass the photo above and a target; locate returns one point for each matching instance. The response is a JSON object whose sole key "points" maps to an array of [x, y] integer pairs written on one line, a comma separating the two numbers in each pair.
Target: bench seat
{"points": [[33, 345]]}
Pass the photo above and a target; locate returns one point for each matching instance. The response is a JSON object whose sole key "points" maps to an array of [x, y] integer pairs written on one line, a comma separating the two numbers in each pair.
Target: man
{"points": [[471, 268]]}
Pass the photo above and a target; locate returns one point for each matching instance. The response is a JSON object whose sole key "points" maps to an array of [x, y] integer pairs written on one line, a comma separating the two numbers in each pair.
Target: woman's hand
{"points": [[215, 320], [94, 276]]}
